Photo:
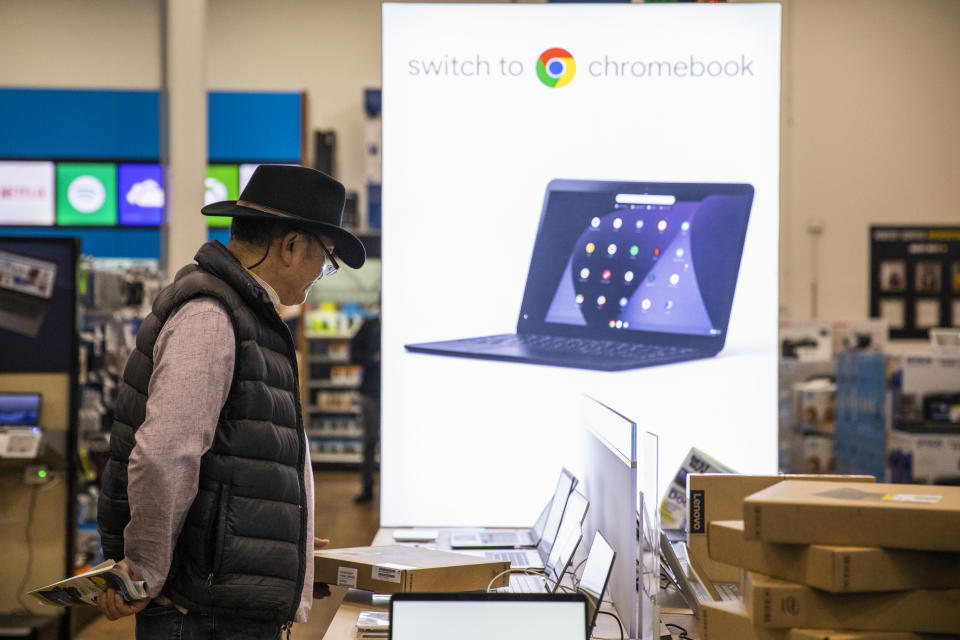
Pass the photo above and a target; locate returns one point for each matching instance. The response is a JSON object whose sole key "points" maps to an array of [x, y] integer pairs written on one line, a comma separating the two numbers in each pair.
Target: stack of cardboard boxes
{"points": [[832, 560]]}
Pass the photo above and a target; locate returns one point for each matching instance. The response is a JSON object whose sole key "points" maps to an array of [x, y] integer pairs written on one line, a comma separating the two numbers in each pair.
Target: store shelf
{"points": [[336, 458], [327, 360], [335, 433], [329, 336], [325, 384]]}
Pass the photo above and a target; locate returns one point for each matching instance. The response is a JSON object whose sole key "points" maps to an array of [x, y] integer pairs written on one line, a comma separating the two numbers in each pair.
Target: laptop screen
{"points": [[20, 409], [482, 616], [619, 259], [568, 537], [565, 484], [596, 573]]}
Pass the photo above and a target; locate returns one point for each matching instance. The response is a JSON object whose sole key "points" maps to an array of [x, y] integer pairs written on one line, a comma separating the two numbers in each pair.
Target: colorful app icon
{"points": [[628, 276], [601, 300], [222, 183], [584, 273], [591, 247], [617, 223], [662, 225], [27, 193], [579, 298], [646, 304], [656, 253], [619, 324], [639, 225], [86, 194], [606, 274], [685, 226], [612, 324], [141, 196], [595, 223], [651, 277], [668, 305], [674, 279], [623, 301], [612, 249], [555, 67], [680, 252]]}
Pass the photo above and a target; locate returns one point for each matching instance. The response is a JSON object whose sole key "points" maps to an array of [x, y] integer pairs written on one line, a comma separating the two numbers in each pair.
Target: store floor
{"points": [[338, 518]]}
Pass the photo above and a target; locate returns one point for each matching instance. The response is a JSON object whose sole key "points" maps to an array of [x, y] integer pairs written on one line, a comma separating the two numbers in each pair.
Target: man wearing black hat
{"points": [[208, 493]]}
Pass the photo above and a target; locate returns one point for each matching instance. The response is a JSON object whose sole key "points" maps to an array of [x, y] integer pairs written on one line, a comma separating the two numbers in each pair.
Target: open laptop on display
{"points": [[545, 526], [560, 555], [596, 574], [624, 275], [20, 433], [482, 616]]}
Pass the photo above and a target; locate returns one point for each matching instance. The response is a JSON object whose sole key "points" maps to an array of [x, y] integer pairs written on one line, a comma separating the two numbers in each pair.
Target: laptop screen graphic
{"points": [[609, 259]]}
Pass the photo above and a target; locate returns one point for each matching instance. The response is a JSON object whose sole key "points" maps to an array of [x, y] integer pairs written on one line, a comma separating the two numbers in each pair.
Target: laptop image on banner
{"points": [[545, 526], [624, 275], [560, 555], [482, 616]]}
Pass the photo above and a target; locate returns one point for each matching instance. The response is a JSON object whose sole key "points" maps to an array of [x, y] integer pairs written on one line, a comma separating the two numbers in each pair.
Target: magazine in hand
{"points": [[85, 587]]}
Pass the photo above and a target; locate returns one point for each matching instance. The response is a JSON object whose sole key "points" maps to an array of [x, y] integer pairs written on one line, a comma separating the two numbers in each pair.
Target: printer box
{"points": [[923, 457], [835, 568], [730, 621], [775, 603], [719, 496], [901, 516], [399, 568]]}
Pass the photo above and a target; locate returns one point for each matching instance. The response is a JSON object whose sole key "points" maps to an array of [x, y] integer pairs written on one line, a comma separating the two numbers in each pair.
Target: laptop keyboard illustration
{"points": [[527, 583], [587, 346], [513, 557], [500, 538]]}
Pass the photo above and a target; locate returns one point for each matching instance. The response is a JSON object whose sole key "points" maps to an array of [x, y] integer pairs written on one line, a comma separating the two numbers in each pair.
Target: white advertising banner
{"points": [[591, 190], [26, 193]]}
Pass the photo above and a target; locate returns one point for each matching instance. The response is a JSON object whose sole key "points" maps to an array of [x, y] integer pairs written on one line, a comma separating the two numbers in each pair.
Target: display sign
{"points": [[26, 193], [140, 194], [597, 187], [915, 281], [86, 194], [222, 183]]}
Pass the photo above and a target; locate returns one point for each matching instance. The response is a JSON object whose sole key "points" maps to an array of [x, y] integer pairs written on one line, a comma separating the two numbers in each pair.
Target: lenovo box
{"points": [[906, 516], [730, 621], [719, 496], [780, 604], [835, 568], [398, 568]]}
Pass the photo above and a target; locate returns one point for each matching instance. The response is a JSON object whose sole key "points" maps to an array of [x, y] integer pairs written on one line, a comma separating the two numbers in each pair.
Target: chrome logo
{"points": [[555, 67]]}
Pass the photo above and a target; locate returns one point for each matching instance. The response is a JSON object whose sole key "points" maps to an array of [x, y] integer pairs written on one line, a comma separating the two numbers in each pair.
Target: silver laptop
{"points": [[483, 615], [561, 555], [545, 526], [537, 558]]}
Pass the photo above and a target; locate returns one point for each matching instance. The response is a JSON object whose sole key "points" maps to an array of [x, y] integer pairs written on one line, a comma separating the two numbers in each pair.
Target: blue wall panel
{"points": [[109, 242], [248, 126], [52, 124]]}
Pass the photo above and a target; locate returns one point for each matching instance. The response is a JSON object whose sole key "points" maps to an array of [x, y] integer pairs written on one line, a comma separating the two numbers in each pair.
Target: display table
{"points": [[344, 624]]}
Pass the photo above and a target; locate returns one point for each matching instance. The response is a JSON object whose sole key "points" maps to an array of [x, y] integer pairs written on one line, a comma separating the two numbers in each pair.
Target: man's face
{"points": [[303, 267]]}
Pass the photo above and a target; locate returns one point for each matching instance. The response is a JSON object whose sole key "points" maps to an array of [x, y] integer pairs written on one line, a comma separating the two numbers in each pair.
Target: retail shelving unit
{"points": [[331, 410]]}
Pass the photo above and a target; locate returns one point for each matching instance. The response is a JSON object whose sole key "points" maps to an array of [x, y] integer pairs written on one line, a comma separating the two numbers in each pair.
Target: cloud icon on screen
{"points": [[147, 193]]}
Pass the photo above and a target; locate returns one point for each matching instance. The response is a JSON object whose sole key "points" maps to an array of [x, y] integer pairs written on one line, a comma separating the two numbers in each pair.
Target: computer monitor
{"points": [[482, 616], [20, 409], [619, 478]]}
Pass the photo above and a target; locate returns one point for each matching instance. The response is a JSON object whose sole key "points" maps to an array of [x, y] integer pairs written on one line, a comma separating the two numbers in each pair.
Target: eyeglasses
{"points": [[330, 265]]}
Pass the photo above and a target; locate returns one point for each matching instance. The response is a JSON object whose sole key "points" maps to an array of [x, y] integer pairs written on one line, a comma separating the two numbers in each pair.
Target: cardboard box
{"points": [[835, 568], [717, 496], [906, 516], [776, 603], [673, 507], [399, 568], [730, 621]]}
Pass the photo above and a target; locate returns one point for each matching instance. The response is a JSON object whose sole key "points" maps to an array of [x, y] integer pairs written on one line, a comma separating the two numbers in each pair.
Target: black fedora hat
{"points": [[305, 197]]}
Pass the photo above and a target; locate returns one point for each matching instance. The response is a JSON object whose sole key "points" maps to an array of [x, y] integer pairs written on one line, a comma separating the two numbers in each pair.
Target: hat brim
{"points": [[346, 246]]}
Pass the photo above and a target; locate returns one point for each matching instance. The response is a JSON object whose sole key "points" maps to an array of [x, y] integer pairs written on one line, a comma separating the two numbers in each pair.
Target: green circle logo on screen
{"points": [[555, 67], [86, 194]]}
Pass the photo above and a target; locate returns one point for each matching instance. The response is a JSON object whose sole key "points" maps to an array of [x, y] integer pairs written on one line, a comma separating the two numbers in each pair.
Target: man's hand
{"points": [[113, 606], [320, 589]]}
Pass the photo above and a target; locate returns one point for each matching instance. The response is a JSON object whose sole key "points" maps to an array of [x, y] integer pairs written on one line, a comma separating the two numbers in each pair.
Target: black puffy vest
{"points": [[242, 548]]}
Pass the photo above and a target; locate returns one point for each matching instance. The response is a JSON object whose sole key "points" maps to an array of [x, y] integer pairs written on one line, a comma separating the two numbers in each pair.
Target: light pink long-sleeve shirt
{"points": [[193, 357]]}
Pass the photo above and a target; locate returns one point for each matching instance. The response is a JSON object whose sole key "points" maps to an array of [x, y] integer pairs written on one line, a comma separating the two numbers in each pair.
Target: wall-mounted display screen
{"points": [[140, 194], [86, 194], [222, 183], [581, 199], [26, 193]]}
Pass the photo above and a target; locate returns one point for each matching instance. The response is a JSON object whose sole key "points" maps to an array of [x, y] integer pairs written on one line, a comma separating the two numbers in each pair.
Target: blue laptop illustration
{"points": [[624, 275]]}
